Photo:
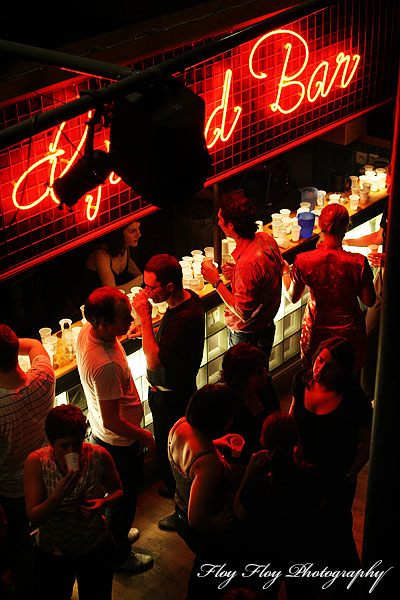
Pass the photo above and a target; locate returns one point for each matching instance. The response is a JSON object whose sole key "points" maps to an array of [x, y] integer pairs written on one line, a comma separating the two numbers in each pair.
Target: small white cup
{"points": [[188, 259], [285, 212], [334, 198], [364, 196], [305, 205], [44, 333], [276, 225], [287, 222], [295, 233], [354, 199], [260, 226], [373, 248], [321, 195], [236, 444], [72, 460], [200, 279], [194, 285], [196, 253], [276, 217], [209, 251], [52, 341]]}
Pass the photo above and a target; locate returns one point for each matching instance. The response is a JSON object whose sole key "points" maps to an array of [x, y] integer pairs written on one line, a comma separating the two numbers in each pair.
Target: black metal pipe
{"points": [[69, 62], [43, 121], [382, 511]]}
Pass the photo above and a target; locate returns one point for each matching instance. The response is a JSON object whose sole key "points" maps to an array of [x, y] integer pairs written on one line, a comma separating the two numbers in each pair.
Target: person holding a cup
{"points": [[255, 276], [68, 485], [25, 400], [337, 280]]}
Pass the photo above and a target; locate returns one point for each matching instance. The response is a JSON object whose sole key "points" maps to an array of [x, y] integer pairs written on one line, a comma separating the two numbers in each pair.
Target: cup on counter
{"points": [[75, 333], [368, 168], [381, 180], [194, 284], [334, 198], [236, 443], [364, 196], [306, 222], [52, 341], [321, 195], [363, 179], [185, 264], [186, 272], [285, 212], [370, 173], [209, 251], [374, 181], [260, 226], [354, 180], [50, 352], [287, 223], [224, 247], [296, 233], [185, 282], [196, 253], [200, 279], [354, 199], [305, 205], [276, 217], [355, 189], [188, 259], [281, 234], [72, 460], [317, 213], [44, 333], [276, 225]]}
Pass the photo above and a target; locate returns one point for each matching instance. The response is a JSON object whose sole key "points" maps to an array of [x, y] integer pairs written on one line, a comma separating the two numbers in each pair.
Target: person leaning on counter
{"points": [[255, 276], [110, 263]]}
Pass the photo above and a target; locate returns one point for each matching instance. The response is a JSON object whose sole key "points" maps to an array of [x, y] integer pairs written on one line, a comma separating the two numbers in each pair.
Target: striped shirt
{"points": [[256, 284], [22, 415]]}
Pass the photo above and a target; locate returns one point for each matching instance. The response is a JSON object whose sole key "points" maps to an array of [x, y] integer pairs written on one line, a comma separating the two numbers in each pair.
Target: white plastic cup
{"points": [[334, 198], [185, 264], [52, 341], [260, 226], [321, 195], [285, 212], [295, 233], [200, 279], [364, 196], [186, 272], [305, 205], [276, 217], [188, 259], [368, 168], [354, 180], [236, 443], [374, 181], [194, 285], [185, 282], [355, 190], [209, 251], [224, 247], [287, 222], [373, 248], [44, 333], [317, 213], [363, 179], [295, 221], [354, 198], [72, 460], [281, 234], [276, 225], [198, 258], [370, 173], [196, 252]]}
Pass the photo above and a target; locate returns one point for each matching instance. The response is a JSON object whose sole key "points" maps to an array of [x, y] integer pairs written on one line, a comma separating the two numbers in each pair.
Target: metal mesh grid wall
{"points": [[242, 127]]}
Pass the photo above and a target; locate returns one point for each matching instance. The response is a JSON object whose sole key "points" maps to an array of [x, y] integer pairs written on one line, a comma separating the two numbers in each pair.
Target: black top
{"points": [[180, 338], [249, 426], [331, 440]]}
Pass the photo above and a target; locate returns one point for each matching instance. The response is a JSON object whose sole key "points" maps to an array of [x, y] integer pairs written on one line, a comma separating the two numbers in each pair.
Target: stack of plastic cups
{"points": [[321, 194], [44, 333]]}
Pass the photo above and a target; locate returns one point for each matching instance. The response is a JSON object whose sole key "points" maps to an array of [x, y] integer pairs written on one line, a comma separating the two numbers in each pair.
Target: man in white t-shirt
{"points": [[115, 410], [25, 401]]}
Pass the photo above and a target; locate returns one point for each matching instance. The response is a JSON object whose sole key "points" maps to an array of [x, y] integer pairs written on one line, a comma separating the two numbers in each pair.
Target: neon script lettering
{"points": [[52, 157], [291, 92]]}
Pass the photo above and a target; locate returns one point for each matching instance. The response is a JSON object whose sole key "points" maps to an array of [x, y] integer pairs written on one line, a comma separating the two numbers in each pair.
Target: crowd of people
{"points": [[286, 498]]}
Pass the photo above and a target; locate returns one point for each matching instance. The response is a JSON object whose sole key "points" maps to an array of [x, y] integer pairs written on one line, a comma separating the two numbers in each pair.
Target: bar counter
{"points": [[66, 370]]}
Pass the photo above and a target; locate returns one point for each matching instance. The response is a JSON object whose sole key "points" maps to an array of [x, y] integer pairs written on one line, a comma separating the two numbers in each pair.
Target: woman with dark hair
{"points": [[111, 264], [334, 419], [244, 370], [67, 503], [203, 481], [337, 280]]}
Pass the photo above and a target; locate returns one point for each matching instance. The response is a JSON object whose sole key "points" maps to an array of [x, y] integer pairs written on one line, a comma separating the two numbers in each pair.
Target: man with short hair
{"points": [[115, 410], [255, 276], [25, 401], [173, 354]]}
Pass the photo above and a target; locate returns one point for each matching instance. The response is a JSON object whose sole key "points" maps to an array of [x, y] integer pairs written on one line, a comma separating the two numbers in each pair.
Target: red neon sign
{"points": [[290, 93]]}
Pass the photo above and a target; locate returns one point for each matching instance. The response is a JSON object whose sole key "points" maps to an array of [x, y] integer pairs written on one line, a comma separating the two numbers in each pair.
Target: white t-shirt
{"points": [[106, 376], [22, 415]]}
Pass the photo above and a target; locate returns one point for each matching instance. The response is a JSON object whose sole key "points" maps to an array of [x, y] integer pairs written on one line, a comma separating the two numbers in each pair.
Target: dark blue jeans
{"points": [[263, 339], [120, 516]]}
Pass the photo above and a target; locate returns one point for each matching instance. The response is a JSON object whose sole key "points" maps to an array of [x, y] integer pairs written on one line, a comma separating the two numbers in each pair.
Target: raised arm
{"points": [[39, 507], [150, 347], [101, 260], [31, 348], [293, 290]]}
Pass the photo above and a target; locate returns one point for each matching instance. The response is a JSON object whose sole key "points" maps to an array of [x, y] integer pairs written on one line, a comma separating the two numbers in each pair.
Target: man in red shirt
{"points": [[255, 276]]}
